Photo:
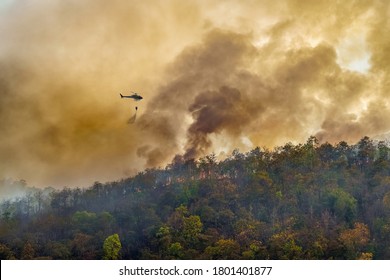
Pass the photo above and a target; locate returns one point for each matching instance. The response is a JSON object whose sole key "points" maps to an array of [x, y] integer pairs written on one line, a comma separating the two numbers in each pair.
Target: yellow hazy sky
{"points": [[215, 75]]}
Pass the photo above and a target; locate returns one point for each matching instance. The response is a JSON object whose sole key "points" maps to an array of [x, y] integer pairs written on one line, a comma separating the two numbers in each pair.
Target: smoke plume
{"points": [[214, 75]]}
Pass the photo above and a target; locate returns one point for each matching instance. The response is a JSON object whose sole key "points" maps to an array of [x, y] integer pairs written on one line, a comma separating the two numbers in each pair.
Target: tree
{"points": [[84, 221], [366, 152], [111, 247], [326, 153], [84, 247], [356, 240], [164, 239], [224, 249], [58, 250], [28, 252], [60, 201], [298, 201], [192, 228], [175, 251], [386, 201], [39, 197], [256, 251], [283, 246], [342, 204], [6, 253]]}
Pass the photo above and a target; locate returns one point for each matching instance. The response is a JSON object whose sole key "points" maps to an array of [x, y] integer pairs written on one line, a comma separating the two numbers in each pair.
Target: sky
{"points": [[215, 76]]}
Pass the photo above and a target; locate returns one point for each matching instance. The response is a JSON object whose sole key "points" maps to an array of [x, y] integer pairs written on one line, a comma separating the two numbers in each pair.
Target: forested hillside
{"points": [[306, 201]]}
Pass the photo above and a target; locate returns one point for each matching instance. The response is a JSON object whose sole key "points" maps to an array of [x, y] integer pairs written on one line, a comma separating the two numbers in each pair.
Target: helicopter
{"points": [[134, 96]]}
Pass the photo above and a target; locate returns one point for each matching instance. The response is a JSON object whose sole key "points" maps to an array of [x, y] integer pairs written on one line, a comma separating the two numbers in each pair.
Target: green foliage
{"points": [[304, 201], [58, 250], [342, 204], [176, 251], [111, 247], [283, 246], [84, 220], [224, 249], [192, 228], [256, 251]]}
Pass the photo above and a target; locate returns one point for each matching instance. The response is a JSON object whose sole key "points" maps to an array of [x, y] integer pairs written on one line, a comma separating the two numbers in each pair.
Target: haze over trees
{"points": [[304, 201]]}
